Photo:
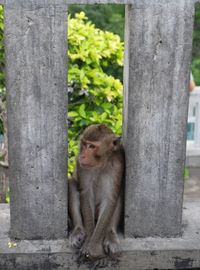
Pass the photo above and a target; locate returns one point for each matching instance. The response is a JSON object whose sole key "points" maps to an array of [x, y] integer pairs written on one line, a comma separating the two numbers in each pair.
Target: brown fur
{"points": [[96, 203]]}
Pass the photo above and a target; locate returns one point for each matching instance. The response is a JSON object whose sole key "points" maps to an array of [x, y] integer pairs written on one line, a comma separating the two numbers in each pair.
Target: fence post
{"points": [[35, 37], [157, 63]]}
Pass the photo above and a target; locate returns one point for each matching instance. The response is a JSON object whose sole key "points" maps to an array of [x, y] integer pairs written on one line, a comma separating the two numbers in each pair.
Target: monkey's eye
{"points": [[91, 146], [84, 143]]}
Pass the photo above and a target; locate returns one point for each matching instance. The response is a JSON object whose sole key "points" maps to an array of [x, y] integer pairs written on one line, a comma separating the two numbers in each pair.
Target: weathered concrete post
{"points": [[158, 53], [35, 33]]}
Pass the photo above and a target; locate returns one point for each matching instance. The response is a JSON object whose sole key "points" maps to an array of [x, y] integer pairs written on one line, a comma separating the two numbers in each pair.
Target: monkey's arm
{"points": [[77, 235], [74, 203], [86, 200], [87, 211]]}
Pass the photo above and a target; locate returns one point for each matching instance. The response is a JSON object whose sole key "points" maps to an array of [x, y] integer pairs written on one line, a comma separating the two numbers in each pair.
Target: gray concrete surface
{"points": [[137, 254], [35, 41], [155, 114]]}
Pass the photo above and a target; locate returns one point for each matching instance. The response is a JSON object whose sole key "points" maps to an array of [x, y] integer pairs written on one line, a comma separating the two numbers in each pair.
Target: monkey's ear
{"points": [[116, 142], [101, 127]]}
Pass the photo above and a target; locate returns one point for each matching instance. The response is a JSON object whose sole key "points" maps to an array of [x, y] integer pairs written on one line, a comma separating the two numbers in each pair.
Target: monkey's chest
{"points": [[96, 193], [101, 190]]}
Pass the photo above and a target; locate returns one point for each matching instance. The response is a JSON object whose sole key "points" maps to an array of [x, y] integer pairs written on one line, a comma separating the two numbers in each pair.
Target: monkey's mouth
{"points": [[87, 165]]}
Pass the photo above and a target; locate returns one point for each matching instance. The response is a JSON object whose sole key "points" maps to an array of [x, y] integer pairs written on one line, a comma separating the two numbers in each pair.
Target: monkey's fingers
{"points": [[111, 244], [112, 248], [76, 243], [84, 254], [77, 238]]}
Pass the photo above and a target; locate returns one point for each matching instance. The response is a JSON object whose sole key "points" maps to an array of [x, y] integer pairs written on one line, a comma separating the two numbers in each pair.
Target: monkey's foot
{"points": [[100, 263], [92, 252], [111, 243], [95, 263], [77, 237]]}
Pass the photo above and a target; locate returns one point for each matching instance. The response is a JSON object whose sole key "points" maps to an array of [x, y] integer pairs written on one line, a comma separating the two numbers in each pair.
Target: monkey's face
{"points": [[94, 154], [88, 156]]}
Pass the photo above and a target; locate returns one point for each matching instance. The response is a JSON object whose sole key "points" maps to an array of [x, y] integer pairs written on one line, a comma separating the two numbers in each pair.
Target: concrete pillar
{"points": [[157, 66], [35, 37]]}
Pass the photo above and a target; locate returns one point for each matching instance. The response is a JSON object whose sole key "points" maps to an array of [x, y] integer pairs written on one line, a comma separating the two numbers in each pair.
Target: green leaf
{"points": [[72, 114], [82, 111]]}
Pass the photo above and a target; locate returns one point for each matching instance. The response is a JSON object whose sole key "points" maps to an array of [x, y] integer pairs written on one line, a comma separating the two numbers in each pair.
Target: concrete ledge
{"points": [[138, 254]]}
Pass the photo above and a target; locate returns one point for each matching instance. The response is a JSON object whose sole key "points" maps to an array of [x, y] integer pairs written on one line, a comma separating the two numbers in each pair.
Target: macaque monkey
{"points": [[95, 193]]}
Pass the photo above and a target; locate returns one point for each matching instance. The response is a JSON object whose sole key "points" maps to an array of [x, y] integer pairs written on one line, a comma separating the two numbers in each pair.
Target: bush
{"points": [[94, 96], [196, 70]]}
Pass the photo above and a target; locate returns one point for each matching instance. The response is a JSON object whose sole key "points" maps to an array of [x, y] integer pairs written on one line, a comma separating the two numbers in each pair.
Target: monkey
{"points": [[95, 193]]}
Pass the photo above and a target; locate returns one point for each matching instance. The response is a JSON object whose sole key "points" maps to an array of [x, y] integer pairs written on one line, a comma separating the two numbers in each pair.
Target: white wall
{"points": [[193, 136]]}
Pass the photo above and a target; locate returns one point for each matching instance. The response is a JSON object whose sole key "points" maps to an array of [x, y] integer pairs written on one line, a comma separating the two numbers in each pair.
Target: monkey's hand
{"points": [[77, 237], [92, 251]]}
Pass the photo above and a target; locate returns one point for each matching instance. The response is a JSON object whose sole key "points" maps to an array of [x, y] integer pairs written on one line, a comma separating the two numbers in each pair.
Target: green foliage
{"points": [[196, 46], [186, 173], [196, 35], [108, 17], [8, 196], [94, 96], [196, 70]]}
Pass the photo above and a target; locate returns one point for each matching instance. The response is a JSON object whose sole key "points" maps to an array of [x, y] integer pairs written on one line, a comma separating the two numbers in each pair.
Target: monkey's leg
{"points": [[111, 240], [110, 190], [78, 234], [91, 249], [94, 248]]}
